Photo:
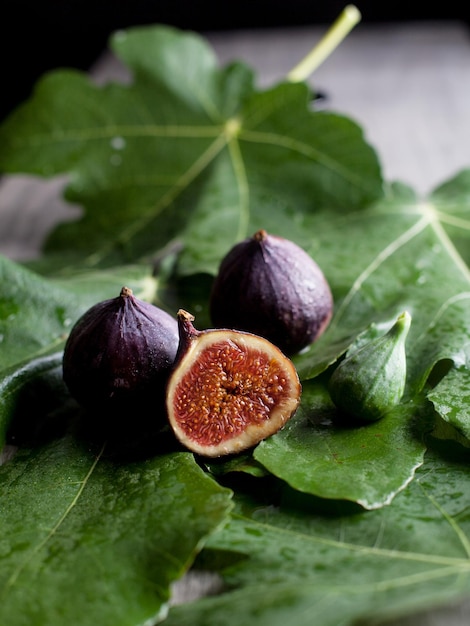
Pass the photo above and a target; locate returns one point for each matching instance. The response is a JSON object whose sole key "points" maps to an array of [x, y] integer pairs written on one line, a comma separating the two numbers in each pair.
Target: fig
{"points": [[229, 389], [119, 352], [371, 380], [270, 286]]}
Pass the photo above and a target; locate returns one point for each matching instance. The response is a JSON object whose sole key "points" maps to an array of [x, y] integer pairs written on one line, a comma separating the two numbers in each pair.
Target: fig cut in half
{"points": [[229, 390]]}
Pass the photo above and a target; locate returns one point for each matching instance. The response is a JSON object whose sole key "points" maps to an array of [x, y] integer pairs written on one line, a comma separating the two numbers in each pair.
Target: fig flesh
{"points": [[229, 389], [119, 352], [269, 286]]}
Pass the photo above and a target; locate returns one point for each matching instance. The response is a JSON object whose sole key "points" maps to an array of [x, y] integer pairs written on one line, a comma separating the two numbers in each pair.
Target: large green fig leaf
{"points": [[35, 318], [88, 540], [35, 314], [187, 151], [231, 159], [287, 560], [191, 154], [319, 453], [403, 253], [451, 398], [412, 256]]}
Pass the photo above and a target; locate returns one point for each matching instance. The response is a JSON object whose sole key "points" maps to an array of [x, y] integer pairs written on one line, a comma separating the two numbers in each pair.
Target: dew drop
{"points": [[459, 359], [118, 143], [65, 321]]}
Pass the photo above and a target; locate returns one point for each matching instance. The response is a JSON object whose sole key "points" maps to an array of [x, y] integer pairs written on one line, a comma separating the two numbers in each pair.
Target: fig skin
{"points": [[229, 389], [269, 286], [120, 353], [371, 380]]}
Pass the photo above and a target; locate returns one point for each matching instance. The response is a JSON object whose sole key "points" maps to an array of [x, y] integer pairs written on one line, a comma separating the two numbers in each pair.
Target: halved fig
{"points": [[229, 389]]}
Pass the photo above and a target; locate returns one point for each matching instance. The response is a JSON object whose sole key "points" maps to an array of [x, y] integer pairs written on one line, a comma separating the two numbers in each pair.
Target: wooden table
{"points": [[408, 85]]}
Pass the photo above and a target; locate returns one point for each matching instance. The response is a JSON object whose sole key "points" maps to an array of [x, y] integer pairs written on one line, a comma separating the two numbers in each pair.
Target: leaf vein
{"points": [[385, 254], [82, 484], [164, 201], [304, 149], [451, 249], [450, 520], [436, 559], [243, 187]]}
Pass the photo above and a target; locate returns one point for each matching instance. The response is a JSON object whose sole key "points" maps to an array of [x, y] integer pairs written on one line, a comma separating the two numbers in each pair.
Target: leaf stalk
{"points": [[348, 18]]}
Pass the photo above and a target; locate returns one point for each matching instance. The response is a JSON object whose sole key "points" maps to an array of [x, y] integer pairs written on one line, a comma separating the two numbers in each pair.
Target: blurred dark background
{"points": [[38, 36]]}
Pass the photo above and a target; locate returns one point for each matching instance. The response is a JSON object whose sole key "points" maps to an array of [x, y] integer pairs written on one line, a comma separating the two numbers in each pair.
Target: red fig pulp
{"points": [[119, 350], [269, 286], [229, 389]]}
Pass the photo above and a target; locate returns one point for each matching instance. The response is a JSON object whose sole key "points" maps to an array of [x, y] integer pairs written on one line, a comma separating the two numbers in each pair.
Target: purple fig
{"points": [[269, 286], [120, 352]]}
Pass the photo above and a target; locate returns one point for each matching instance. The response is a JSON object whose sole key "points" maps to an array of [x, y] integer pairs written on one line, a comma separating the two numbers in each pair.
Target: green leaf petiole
{"points": [[348, 18]]}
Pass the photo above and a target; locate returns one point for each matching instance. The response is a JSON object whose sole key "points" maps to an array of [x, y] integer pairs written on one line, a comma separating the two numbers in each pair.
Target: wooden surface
{"points": [[408, 85]]}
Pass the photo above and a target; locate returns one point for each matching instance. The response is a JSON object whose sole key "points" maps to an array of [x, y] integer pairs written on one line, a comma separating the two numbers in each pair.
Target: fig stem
{"points": [[260, 235], [187, 332], [402, 324], [126, 292], [186, 318], [345, 22]]}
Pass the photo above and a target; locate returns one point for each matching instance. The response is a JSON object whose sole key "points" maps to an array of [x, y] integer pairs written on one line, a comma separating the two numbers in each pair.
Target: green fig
{"points": [[371, 380]]}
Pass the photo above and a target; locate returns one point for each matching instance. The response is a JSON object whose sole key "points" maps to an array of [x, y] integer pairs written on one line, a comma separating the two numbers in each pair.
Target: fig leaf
{"points": [[186, 151], [413, 256], [87, 539], [298, 561], [321, 453], [193, 154]]}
